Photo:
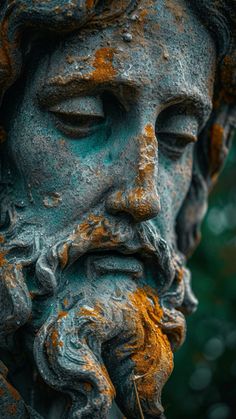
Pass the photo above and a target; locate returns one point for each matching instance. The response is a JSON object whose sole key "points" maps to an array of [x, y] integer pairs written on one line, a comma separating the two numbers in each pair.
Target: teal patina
{"points": [[110, 144]]}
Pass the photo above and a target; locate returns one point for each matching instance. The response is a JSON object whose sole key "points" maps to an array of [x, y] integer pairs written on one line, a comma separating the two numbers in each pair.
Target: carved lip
{"points": [[113, 261]]}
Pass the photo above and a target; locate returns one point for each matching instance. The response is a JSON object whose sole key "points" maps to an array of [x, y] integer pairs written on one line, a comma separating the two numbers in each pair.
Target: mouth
{"points": [[105, 262]]}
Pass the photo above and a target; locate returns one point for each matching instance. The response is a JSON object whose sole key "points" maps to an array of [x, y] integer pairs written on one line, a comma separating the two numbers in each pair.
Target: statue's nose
{"points": [[139, 196]]}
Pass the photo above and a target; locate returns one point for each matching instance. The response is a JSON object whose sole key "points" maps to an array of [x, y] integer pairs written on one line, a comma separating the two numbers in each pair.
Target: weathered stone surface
{"points": [[116, 118]]}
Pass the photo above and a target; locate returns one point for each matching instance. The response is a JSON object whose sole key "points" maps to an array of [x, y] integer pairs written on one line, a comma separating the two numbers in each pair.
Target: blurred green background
{"points": [[203, 385]]}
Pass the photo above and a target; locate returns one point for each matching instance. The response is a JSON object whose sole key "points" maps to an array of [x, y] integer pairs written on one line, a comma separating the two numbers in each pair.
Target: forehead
{"points": [[161, 44]]}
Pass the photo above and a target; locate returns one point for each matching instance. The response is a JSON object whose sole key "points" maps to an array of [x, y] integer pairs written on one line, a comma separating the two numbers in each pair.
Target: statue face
{"points": [[105, 126], [101, 143]]}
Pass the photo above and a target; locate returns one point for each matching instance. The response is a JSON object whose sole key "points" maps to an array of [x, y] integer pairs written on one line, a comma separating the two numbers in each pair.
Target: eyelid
{"points": [[86, 105], [189, 137], [181, 125]]}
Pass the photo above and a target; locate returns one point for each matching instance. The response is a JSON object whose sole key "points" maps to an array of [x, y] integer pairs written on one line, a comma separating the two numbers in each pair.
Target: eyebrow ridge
{"points": [[201, 103], [77, 83]]}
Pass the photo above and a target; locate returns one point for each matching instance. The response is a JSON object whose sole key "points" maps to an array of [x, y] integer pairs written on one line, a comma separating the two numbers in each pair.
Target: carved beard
{"points": [[109, 343], [117, 339]]}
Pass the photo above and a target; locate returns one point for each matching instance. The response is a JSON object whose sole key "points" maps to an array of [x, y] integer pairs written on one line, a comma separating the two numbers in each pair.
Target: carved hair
{"points": [[16, 16], [214, 141]]}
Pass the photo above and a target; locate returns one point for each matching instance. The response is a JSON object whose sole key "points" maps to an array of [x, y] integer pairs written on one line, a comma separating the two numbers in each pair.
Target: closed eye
{"points": [[79, 117], [174, 144], [78, 125], [176, 129]]}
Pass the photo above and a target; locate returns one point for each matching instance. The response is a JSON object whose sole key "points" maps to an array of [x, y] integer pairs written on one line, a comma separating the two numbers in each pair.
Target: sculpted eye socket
{"points": [[79, 117], [175, 132]]}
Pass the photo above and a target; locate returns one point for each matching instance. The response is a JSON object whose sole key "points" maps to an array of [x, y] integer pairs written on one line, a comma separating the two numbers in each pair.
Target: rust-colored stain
{"points": [[96, 229], [87, 386], [62, 314], [94, 312], [102, 63], [1, 239], [97, 313], [148, 156], [144, 194], [90, 4], [153, 359], [3, 260], [1, 391], [55, 339], [110, 391], [142, 15], [8, 273], [66, 302], [180, 274], [64, 256]]}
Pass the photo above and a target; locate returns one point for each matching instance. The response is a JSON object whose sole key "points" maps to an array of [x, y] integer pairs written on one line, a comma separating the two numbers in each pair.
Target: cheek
{"points": [[173, 184], [63, 184], [45, 159], [181, 182]]}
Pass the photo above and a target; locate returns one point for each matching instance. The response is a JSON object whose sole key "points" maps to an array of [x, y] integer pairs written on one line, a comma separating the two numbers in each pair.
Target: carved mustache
{"points": [[98, 233]]}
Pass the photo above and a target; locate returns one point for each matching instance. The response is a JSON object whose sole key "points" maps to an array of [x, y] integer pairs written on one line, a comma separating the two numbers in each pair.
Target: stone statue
{"points": [[116, 117]]}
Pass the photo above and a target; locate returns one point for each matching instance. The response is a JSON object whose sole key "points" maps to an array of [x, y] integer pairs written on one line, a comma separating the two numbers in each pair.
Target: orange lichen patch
{"points": [[217, 148], [148, 156], [180, 274], [87, 386], [90, 4], [8, 275], [150, 131], [63, 256], [142, 15], [55, 339], [101, 374], [11, 409], [13, 392], [102, 63], [3, 260], [96, 229], [94, 312], [65, 302], [111, 389], [152, 353], [1, 239], [62, 314]]}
